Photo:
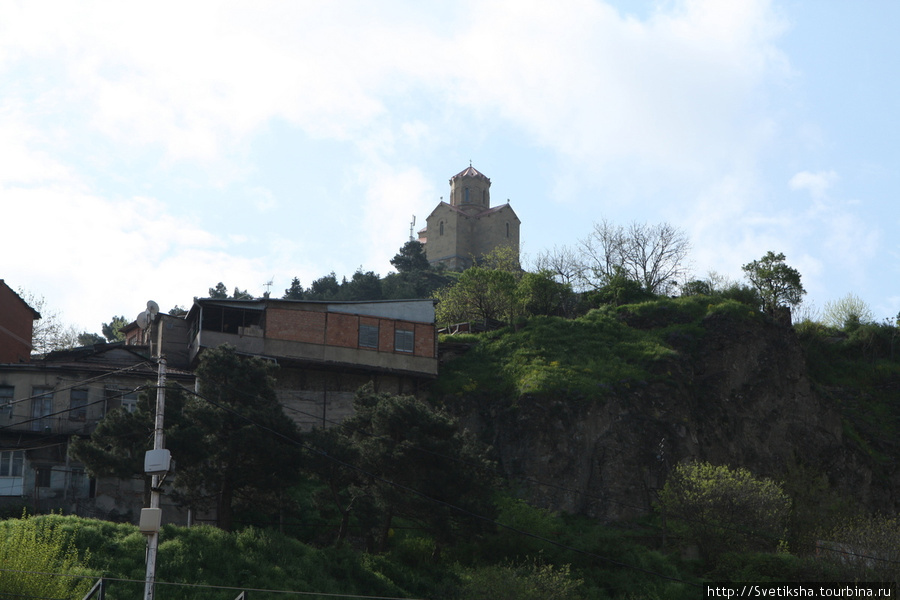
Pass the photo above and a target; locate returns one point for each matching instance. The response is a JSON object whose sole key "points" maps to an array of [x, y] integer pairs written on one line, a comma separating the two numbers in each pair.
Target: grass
{"points": [[588, 358]]}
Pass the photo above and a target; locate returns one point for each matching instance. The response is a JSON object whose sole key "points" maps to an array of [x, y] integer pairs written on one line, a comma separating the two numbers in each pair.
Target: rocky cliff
{"points": [[741, 397]]}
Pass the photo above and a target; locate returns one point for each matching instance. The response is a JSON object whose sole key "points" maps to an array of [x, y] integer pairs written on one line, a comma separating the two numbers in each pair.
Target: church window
{"points": [[484, 197], [467, 196], [442, 228], [507, 229]]}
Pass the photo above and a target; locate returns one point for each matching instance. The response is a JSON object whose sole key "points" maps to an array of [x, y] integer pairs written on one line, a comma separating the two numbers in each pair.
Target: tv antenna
{"points": [[268, 285], [411, 226]]}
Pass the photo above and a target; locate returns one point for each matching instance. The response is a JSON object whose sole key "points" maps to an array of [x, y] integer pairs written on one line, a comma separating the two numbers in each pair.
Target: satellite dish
{"points": [[152, 309], [143, 320]]}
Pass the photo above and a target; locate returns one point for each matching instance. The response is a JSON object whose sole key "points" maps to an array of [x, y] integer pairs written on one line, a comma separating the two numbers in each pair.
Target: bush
{"points": [[721, 509], [525, 581], [32, 547]]}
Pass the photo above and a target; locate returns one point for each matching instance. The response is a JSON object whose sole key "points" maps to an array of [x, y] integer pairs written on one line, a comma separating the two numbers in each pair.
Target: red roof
{"points": [[470, 171]]}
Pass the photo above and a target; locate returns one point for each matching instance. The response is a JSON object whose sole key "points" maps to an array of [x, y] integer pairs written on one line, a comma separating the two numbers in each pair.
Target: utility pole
{"points": [[156, 463]]}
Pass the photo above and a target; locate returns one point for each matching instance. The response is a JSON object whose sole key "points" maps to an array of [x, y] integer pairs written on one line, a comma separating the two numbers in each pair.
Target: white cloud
{"points": [[815, 183]]}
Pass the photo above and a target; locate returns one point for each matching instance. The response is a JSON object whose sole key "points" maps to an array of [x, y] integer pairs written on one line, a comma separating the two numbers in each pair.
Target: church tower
{"points": [[457, 234]]}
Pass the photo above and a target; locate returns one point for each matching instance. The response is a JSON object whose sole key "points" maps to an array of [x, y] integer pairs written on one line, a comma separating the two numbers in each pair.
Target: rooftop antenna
{"points": [[411, 226], [268, 285]]}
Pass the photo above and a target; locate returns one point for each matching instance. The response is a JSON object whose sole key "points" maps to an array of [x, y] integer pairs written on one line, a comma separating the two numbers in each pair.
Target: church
{"points": [[457, 234]]}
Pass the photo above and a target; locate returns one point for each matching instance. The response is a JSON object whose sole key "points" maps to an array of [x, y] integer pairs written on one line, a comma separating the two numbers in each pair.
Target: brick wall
{"points": [[296, 325], [340, 329], [16, 326]]}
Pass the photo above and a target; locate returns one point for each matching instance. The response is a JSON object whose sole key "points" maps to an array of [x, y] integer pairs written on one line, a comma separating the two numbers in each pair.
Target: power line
{"points": [[195, 585], [78, 384], [424, 496]]}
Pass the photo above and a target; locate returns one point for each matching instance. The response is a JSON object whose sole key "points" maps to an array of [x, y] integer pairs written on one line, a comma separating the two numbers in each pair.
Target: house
{"points": [[16, 326], [45, 403], [467, 228], [325, 350]]}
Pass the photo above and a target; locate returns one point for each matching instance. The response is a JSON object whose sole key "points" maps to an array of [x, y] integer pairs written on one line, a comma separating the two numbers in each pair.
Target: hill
{"points": [[600, 408]]}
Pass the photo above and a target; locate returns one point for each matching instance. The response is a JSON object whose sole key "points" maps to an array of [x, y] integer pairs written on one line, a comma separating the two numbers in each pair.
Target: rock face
{"points": [[742, 398]]}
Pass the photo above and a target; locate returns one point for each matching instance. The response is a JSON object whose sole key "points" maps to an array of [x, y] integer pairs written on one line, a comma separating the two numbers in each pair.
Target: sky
{"points": [[150, 151]]}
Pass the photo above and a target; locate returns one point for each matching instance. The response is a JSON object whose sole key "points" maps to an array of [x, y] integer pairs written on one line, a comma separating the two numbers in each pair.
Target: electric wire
{"points": [[199, 585], [408, 489], [685, 518], [78, 384]]}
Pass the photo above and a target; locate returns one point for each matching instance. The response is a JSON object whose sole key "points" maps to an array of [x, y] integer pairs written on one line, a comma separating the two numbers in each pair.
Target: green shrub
{"points": [[720, 508], [523, 581], [32, 547]]}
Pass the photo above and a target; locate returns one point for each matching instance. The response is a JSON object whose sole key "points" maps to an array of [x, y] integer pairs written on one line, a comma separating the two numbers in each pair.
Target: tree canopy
{"points": [[723, 509], [414, 462], [777, 283], [232, 443], [653, 255]]}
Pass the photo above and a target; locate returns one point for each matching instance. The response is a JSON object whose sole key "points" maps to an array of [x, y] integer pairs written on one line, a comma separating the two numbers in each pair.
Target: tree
{"points": [[478, 295], [324, 288], [867, 548], [411, 258], [116, 447], [232, 443], [653, 255], [847, 313], [112, 331], [219, 292], [49, 332], [564, 263], [777, 283], [89, 339], [31, 549], [362, 286], [295, 292], [723, 509], [418, 464], [246, 444], [540, 294]]}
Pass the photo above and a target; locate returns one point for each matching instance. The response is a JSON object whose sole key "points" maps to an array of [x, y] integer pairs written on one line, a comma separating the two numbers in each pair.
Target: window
{"points": [[129, 401], [442, 228], [11, 463], [368, 336], [78, 405], [42, 477], [41, 407], [11, 480], [467, 196], [507, 230], [119, 396], [403, 340], [6, 399]]}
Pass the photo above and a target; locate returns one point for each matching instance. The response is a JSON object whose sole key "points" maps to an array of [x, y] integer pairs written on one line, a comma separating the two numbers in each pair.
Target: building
{"points": [[457, 234], [16, 326], [325, 350], [46, 403]]}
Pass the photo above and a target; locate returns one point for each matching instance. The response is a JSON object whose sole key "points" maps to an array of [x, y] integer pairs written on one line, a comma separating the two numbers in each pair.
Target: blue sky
{"points": [[151, 152]]}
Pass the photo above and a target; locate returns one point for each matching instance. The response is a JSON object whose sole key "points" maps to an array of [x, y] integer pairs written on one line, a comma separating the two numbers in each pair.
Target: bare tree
{"points": [[564, 263], [49, 332], [653, 255]]}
